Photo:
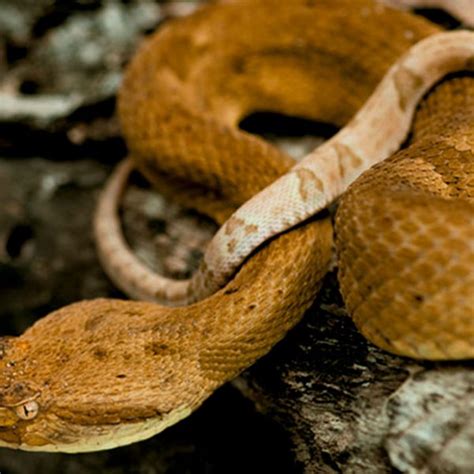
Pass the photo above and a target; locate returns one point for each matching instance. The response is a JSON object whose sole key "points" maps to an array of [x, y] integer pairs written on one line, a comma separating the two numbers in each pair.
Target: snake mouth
{"points": [[9, 437], [15, 438], [76, 438]]}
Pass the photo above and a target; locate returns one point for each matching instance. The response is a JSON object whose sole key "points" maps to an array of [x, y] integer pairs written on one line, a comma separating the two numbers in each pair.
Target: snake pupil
{"points": [[27, 411]]}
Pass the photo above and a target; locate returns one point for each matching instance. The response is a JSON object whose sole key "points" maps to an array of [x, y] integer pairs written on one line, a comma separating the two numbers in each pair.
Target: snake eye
{"points": [[28, 410]]}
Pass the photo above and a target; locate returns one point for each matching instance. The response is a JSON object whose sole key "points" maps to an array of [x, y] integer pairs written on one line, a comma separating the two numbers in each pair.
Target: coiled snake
{"points": [[104, 373]]}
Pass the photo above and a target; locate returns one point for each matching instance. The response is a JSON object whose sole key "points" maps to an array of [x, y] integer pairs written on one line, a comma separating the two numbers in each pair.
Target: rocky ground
{"points": [[324, 400]]}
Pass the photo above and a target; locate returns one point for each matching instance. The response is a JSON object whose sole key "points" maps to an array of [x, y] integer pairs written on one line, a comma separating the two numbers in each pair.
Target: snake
{"points": [[103, 373]]}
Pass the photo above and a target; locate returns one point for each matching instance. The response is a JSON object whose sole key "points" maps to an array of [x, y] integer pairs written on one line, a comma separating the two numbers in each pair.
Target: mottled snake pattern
{"points": [[104, 373]]}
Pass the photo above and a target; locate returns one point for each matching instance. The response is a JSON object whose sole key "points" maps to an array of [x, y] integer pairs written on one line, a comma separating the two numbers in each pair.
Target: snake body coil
{"points": [[103, 373]]}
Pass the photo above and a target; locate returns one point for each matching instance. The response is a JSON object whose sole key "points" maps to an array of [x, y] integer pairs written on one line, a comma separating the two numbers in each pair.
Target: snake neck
{"points": [[258, 307]]}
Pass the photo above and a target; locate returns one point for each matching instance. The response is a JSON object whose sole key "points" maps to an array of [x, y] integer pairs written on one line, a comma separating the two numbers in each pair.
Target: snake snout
{"points": [[18, 398], [18, 406], [9, 429], [9, 436], [7, 418]]}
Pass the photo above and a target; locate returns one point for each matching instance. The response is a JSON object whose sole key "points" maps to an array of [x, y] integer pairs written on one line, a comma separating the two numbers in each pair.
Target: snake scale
{"points": [[104, 373]]}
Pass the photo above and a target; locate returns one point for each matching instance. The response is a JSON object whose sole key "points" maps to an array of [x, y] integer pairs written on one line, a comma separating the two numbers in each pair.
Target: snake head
{"points": [[96, 375], [18, 397]]}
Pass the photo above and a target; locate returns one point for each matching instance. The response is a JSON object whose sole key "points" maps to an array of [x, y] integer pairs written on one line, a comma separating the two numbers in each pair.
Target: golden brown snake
{"points": [[104, 373]]}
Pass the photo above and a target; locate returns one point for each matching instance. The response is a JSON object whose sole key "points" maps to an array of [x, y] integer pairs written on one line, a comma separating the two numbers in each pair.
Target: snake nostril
{"points": [[19, 240]]}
